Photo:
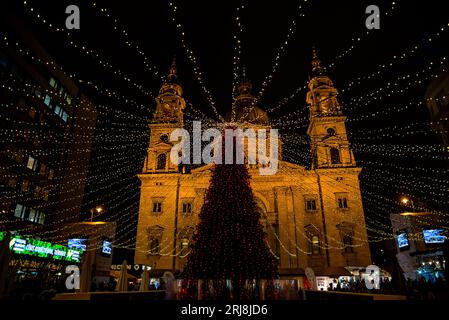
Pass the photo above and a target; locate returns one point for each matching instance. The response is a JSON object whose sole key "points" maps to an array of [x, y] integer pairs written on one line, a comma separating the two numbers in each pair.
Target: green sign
{"points": [[39, 248]]}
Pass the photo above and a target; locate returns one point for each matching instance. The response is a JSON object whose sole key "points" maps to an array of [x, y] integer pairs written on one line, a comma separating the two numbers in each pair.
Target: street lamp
{"points": [[405, 201], [97, 209]]}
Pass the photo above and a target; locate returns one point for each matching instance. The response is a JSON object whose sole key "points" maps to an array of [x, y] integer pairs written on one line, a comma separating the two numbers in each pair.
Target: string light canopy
{"points": [[393, 153]]}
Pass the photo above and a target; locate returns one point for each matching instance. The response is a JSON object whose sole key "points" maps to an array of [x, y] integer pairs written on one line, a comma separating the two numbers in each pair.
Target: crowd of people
{"points": [[418, 289], [43, 286]]}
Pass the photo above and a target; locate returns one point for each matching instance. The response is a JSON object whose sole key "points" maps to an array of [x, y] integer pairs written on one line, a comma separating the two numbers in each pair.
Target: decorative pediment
{"points": [[346, 228], [312, 230], [324, 87], [332, 139], [186, 232], [155, 231], [161, 145]]}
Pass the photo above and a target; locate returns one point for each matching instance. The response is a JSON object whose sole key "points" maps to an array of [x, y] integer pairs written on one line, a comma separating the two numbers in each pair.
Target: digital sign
{"points": [[432, 236], [107, 247], [43, 249], [402, 240], [78, 244]]}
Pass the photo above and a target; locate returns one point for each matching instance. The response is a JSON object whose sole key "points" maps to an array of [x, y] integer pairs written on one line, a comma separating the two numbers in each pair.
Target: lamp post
{"points": [[97, 209], [406, 201]]}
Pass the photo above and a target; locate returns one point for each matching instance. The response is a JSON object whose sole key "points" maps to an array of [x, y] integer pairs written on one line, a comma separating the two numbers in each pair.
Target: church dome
{"points": [[245, 106], [253, 115]]}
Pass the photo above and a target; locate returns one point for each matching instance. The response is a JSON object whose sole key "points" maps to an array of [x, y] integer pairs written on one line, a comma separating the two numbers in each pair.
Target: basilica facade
{"points": [[312, 217]]}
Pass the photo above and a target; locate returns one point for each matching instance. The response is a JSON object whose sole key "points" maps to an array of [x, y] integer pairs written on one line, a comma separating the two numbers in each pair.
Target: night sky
{"points": [[397, 149]]}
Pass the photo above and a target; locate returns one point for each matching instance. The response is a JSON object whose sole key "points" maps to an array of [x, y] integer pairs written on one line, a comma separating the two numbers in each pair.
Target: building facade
{"points": [[46, 137], [312, 217]]}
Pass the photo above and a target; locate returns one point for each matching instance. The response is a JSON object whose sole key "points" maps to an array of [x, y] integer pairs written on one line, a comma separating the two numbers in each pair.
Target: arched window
{"points": [[335, 156], [185, 236], [154, 239], [315, 245], [161, 161], [154, 245], [185, 243], [347, 242]]}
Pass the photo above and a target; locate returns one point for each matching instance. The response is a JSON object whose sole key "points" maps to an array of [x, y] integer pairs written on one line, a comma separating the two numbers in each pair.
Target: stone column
{"points": [[281, 206], [298, 214]]}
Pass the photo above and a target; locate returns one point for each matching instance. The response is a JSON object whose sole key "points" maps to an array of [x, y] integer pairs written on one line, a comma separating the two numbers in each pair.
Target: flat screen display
{"points": [[432, 236], [402, 240], [78, 243], [107, 247]]}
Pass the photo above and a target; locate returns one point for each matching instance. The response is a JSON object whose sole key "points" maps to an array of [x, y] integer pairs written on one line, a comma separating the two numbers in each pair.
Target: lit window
{"points": [[19, 211], [58, 110], [32, 163], [315, 245], [53, 82], [41, 218], [32, 215], [184, 247], [64, 116], [47, 100], [157, 206]]}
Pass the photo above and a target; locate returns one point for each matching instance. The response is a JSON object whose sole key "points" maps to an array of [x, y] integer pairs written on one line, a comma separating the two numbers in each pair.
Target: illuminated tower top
{"points": [[170, 103]]}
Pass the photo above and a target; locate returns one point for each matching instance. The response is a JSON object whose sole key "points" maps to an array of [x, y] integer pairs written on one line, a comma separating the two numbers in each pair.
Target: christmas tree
{"points": [[229, 242]]}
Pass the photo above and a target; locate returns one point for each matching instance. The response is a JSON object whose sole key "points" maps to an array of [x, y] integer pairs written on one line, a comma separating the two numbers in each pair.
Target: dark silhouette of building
{"points": [[437, 101], [45, 139]]}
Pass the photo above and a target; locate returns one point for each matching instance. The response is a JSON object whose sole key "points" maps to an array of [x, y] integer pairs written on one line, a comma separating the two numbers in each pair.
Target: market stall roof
{"points": [[331, 271], [291, 272], [356, 271], [116, 273], [157, 273]]}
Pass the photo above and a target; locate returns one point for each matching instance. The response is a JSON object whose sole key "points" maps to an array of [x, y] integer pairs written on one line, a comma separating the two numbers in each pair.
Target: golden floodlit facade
{"points": [[312, 217]]}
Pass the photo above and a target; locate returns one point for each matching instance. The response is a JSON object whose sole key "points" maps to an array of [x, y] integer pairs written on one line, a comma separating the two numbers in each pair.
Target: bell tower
{"points": [[170, 103], [168, 116], [327, 129]]}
